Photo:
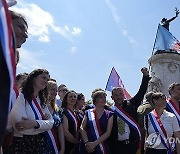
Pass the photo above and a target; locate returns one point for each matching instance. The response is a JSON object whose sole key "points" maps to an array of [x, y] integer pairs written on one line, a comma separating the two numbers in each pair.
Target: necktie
{"points": [[121, 126]]}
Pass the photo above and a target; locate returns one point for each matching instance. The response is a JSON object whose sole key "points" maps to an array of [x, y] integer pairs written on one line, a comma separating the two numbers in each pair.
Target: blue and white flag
{"points": [[165, 40]]}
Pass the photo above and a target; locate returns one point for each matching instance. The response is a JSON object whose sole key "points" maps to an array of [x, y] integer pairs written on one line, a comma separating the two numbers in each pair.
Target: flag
{"points": [[115, 81], [7, 65], [165, 40]]}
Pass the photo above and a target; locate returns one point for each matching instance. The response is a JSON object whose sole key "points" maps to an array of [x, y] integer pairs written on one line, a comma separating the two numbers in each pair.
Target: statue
{"points": [[155, 84], [165, 22]]}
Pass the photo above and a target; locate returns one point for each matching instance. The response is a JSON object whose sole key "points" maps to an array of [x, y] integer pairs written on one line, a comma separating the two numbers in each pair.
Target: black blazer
{"points": [[130, 107]]}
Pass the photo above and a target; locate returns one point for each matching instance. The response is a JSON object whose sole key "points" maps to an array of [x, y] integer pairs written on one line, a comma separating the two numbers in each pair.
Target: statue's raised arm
{"points": [[165, 22]]}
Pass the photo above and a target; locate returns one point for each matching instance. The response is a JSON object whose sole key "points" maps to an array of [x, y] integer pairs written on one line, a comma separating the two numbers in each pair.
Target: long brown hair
{"points": [[28, 88]]}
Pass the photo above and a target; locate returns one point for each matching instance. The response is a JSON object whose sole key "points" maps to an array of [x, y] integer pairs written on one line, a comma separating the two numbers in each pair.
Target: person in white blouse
{"points": [[30, 118], [160, 126]]}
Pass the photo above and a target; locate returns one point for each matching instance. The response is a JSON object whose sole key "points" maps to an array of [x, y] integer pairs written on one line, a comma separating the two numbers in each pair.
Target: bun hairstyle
{"points": [[148, 96]]}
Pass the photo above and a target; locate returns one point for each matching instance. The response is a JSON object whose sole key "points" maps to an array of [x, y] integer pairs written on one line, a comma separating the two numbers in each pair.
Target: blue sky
{"points": [[79, 41]]}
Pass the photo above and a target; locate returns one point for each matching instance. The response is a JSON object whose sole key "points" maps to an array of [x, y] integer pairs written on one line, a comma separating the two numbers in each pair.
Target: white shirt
{"points": [[23, 109], [125, 135], [170, 124]]}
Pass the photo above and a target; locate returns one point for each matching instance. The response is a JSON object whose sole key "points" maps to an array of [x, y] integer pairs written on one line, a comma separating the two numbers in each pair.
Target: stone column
{"points": [[165, 69]]}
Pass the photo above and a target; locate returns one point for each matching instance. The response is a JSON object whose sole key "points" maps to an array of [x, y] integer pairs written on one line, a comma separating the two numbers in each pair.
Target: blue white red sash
{"points": [[159, 128], [8, 63], [96, 129], [6, 39], [80, 115], [170, 105], [14, 96], [74, 119], [50, 134], [126, 118]]}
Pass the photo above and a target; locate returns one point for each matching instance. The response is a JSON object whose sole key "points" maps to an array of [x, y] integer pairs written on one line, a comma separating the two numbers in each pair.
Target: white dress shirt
{"points": [[170, 124]]}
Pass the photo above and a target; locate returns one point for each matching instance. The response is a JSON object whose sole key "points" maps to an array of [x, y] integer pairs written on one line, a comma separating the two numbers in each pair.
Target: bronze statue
{"points": [[165, 22]]}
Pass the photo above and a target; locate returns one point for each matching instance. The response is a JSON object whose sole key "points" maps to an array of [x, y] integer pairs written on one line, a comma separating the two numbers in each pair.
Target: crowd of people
{"points": [[38, 122]]}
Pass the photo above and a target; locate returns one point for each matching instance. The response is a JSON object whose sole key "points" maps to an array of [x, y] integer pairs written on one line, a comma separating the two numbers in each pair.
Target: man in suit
{"points": [[124, 138]]}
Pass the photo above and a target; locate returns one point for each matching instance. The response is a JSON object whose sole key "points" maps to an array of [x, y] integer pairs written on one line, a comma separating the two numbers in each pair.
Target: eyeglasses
{"points": [[64, 90]]}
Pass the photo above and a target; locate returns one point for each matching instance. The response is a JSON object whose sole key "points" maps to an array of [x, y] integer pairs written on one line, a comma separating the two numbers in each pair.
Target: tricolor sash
{"points": [[170, 105], [96, 129], [50, 134], [159, 128], [73, 117], [7, 65], [14, 96], [80, 115], [126, 118]]}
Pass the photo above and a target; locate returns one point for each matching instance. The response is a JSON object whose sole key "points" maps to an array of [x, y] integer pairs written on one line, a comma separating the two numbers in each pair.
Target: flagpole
{"points": [[153, 46], [109, 78]]}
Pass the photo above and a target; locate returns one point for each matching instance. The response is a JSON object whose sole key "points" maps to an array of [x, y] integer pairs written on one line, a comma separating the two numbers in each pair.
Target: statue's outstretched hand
{"points": [[177, 11]]}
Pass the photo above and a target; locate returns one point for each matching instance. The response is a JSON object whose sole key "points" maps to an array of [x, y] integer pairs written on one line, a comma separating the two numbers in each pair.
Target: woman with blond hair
{"points": [[56, 114]]}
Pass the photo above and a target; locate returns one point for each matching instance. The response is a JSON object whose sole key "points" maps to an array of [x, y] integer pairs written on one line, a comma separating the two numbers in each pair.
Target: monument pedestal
{"points": [[165, 68]]}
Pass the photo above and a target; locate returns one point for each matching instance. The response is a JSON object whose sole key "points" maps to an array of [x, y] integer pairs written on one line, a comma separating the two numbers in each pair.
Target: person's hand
{"points": [[145, 71], [25, 124], [61, 152], [46, 116], [177, 12], [90, 146]]}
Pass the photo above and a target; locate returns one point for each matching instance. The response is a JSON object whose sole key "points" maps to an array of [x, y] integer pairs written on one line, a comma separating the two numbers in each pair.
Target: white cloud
{"points": [[31, 60], [66, 28], [117, 20], [44, 38], [73, 50], [41, 22], [113, 11], [131, 39], [76, 31]]}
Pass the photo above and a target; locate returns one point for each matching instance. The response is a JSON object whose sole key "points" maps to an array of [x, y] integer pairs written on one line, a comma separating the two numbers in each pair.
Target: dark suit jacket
{"points": [[130, 107]]}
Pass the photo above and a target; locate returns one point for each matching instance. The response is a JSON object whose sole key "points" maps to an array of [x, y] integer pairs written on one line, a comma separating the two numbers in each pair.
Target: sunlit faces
{"points": [[117, 95], [21, 80], [160, 103], [176, 92], [81, 102], [101, 100], [62, 91], [40, 82], [20, 30], [71, 98], [52, 91]]}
